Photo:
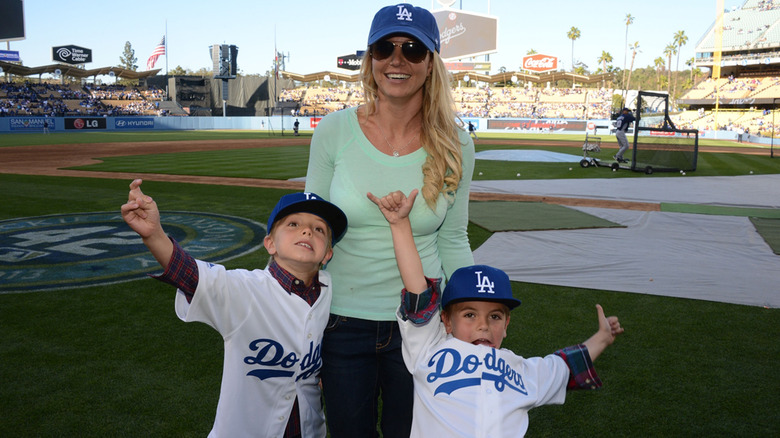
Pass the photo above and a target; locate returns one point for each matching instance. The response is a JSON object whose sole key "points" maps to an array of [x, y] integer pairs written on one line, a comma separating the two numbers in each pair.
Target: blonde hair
{"points": [[443, 168]]}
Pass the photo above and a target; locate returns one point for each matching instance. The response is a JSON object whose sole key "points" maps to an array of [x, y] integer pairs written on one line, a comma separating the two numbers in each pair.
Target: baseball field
{"points": [[92, 347]]}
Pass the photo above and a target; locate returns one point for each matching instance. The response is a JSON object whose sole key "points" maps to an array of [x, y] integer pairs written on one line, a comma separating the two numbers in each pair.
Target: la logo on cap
{"points": [[403, 13], [484, 285]]}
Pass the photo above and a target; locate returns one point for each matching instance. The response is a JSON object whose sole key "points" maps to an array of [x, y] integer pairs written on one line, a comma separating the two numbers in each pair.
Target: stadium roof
{"points": [[552, 76], [74, 71]]}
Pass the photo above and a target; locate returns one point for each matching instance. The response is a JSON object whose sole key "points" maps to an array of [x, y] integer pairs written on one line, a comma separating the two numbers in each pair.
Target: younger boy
{"points": [[465, 385], [272, 320]]}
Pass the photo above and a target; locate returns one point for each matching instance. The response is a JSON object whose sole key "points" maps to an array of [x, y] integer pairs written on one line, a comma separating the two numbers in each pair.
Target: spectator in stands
{"points": [[406, 133]]}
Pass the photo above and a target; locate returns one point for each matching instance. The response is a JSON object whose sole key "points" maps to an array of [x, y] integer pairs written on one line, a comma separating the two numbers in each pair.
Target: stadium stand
{"points": [[56, 100]]}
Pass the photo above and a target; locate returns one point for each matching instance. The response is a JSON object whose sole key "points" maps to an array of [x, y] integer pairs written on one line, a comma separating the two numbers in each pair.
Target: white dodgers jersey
{"points": [[465, 390]]}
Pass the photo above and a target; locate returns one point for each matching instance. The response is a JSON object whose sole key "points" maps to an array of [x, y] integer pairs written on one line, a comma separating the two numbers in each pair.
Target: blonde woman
{"points": [[406, 136]]}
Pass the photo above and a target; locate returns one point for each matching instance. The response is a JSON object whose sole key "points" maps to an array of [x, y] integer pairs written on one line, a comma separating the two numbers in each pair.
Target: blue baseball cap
{"points": [[406, 19], [479, 283], [307, 202]]}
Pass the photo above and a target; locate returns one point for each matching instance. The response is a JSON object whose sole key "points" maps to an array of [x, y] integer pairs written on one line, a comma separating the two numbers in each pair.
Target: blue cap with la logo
{"points": [[479, 283], [406, 19], [307, 202]]}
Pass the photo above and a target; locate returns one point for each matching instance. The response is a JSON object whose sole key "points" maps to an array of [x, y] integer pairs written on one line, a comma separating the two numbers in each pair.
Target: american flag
{"points": [[159, 50]]}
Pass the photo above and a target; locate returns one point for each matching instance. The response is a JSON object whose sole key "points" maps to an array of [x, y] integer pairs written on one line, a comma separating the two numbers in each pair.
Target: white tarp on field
{"points": [[736, 191], [527, 155], [716, 258]]}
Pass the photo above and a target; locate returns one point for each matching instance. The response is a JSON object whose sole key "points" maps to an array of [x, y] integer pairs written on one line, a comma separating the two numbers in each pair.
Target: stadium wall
{"points": [[277, 124]]}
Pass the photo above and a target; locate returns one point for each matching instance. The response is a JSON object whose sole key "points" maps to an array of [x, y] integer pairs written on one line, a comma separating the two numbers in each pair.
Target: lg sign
{"points": [[540, 63], [85, 123]]}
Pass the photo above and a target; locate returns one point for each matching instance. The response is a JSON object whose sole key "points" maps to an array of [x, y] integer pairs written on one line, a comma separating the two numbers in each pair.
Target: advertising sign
{"points": [[349, 62], [540, 63], [465, 34], [85, 123], [9, 56], [536, 125], [467, 66], [134, 123], [71, 54], [30, 123]]}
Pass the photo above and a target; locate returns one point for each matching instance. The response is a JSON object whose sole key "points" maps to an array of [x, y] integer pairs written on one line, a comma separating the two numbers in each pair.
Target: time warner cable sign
{"points": [[71, 54]]}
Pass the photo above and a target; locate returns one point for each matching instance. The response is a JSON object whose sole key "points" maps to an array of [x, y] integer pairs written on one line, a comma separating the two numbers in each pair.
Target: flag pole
{"points": [[166, 47]]}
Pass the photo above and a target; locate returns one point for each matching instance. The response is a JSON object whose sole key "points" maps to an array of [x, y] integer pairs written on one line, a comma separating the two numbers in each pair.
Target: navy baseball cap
{"points": [[479, 283], [627, 109], [406, 19], [304, 202]]}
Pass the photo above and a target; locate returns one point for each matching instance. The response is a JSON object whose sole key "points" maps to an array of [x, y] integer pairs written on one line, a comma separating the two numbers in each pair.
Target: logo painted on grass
{"points": [[88, 249]]}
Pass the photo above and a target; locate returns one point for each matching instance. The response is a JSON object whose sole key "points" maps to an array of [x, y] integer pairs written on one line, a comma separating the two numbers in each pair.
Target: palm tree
{"points": [[634, 49], [659, 67], [604, 59], [573, 34], [669, 50], [680, 39], [531, 52], [629, 22], [690, 63]]}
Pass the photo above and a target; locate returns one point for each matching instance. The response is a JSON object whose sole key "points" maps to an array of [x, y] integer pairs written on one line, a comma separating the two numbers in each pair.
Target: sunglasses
{"points": [[415, 52]]}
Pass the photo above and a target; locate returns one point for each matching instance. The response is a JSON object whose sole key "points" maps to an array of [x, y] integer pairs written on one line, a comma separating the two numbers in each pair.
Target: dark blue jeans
{"points": [[361, 361]]}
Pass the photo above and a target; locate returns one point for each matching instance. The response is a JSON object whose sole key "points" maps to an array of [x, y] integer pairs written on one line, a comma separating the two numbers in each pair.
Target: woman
{"points": [[404, 137]]}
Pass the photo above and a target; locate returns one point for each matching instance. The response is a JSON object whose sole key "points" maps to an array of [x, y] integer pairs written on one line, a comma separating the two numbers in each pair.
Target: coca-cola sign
{"points": [[540, 63]]}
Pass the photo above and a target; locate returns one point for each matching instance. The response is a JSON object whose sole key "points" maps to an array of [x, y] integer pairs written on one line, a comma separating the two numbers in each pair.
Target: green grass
{"points": [[291, 162], [272, 163], [115, 361], [28, 139]]}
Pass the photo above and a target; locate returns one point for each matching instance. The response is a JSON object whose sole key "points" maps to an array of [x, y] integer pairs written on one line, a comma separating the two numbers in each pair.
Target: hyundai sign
{"points": [[71, 54]]}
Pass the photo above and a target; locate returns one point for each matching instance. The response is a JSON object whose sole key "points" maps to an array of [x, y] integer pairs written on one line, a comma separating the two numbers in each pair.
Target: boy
{"points": [[272, 320], [465, 385]]}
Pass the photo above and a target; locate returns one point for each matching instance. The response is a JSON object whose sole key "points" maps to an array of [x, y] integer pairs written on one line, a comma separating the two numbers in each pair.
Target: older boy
{"points": [[272, 320], [465, 385]]}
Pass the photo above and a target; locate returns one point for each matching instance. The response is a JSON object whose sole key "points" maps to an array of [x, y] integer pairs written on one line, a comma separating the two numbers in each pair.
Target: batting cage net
{"points": [[658, 145]]}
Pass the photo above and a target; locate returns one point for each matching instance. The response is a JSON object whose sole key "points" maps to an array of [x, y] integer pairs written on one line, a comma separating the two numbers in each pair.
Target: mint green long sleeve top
{"points": [[343, 167]]}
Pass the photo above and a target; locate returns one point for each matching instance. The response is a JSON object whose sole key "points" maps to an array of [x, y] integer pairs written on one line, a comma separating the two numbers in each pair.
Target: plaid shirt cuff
{"points": [[182, 271], [420, 308], [581, 372]]}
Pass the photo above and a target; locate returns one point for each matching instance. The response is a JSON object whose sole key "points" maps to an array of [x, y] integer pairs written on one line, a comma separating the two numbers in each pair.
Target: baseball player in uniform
{"points": [[272, 320], [465, 384], [623, 122]]}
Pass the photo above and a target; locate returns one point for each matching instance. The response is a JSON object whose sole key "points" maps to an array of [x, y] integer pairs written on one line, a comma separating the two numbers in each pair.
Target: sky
{"points": [[314, 33]]}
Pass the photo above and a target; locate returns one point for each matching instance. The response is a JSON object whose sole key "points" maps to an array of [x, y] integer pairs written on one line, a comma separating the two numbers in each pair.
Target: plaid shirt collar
{"points": [[295, 286]]}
